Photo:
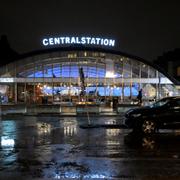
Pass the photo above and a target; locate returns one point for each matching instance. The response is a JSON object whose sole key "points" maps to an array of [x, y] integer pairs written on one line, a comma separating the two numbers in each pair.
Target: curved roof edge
{"points": [[102, 50]]}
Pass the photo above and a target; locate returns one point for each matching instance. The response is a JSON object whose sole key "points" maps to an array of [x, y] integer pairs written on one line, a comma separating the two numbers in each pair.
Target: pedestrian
{"points": [[139, 97]]}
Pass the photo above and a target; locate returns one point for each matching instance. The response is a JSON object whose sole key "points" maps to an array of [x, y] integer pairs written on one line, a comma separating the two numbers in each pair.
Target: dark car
{"points": [[164, 113]]}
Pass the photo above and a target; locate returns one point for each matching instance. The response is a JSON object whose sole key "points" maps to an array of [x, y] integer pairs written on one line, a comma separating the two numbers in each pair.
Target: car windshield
{"points": [[160, 103]]}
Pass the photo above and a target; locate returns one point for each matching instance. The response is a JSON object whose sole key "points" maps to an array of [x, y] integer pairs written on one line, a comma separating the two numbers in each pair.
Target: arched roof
{"points": [[100, 50]]}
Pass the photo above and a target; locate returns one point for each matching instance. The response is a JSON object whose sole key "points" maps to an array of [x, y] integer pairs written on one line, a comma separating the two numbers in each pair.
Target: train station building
{"points": [[54, 76]]}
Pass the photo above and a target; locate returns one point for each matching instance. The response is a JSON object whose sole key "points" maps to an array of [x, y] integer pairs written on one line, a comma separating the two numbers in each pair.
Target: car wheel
{"points": [[148, 143], [148, 127]]}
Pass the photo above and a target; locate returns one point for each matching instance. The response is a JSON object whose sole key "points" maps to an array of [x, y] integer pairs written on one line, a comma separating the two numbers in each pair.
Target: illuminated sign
{"points": [[78, 40]]}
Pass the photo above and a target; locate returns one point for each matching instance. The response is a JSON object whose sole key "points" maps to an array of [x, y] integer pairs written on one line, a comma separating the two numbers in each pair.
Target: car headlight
{"points": [[136, 115]]}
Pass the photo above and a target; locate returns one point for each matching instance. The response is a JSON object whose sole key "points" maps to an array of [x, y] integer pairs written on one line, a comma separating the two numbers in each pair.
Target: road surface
{"points": [[57, 148]]}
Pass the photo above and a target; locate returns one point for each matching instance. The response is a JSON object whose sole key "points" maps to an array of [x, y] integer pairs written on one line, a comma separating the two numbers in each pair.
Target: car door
{"points": [[163, 115], [175, 110], [172, 114]]}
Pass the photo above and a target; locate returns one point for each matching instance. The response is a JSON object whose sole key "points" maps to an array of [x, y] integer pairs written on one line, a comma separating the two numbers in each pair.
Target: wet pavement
{"points": [[57, 148]]}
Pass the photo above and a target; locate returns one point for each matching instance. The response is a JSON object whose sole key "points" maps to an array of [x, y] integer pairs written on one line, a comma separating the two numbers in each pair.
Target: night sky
{"points": [[142, 28]]}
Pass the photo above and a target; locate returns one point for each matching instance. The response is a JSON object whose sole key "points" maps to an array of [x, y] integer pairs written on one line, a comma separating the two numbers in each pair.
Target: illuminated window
{"points": [[72, 55], [95, 54]]}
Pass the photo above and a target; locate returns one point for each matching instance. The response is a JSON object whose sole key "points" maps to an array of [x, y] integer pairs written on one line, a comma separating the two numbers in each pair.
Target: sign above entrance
{"points": [[78, 40]]}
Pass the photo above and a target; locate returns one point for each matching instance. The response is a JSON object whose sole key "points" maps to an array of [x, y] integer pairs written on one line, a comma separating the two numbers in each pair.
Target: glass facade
{"points": [[54, 77]]}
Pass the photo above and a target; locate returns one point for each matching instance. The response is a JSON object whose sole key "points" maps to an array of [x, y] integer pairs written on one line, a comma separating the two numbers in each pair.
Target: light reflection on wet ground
{"points": [[56, 148]]}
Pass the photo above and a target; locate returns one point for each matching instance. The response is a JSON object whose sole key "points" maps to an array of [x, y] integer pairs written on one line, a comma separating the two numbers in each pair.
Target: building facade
{"points": [[53, 76]]}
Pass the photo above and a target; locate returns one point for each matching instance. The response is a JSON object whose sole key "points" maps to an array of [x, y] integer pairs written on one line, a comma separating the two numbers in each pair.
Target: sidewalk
{"points": [[23, 110]]}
